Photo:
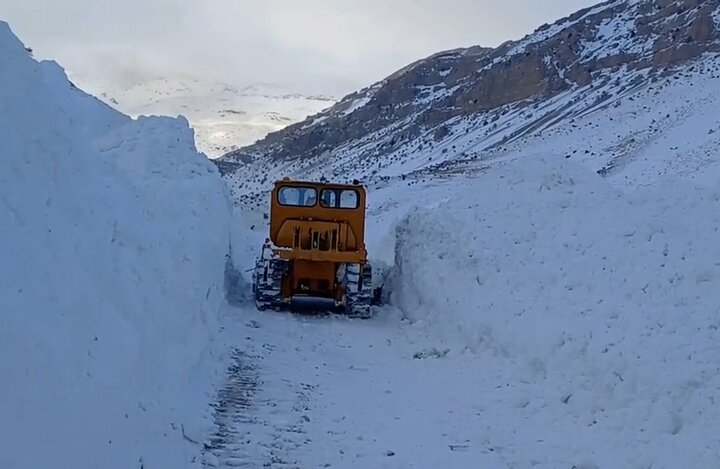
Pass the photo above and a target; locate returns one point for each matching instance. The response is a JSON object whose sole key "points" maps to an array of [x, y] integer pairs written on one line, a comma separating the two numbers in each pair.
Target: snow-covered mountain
{"points": [[632, 61], [113, 236], [223, 116]]}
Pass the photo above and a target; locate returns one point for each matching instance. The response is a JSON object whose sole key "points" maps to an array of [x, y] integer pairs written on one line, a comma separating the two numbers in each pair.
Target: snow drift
{"points": [[113, 238], [594, 312]]}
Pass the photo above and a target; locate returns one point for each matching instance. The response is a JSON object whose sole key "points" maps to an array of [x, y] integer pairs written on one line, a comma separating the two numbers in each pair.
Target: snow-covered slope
{"points": [[591, 311], [223, 116], [663, 126], [469, 105], [112, 243]]}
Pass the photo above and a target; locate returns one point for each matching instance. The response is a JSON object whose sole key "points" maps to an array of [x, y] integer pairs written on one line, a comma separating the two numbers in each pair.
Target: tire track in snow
{"points": [[259, 416], [231, 411]]}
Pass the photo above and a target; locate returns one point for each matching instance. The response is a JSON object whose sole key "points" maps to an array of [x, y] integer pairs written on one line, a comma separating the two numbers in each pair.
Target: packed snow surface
{"points": [[113, 238]]}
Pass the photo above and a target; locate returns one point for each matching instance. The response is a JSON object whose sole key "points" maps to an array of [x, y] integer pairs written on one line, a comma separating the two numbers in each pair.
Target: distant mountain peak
{"points": [[225, 116]]}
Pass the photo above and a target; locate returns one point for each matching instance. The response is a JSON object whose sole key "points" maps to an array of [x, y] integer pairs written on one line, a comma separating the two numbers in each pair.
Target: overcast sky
{"points": [[315, 45]]}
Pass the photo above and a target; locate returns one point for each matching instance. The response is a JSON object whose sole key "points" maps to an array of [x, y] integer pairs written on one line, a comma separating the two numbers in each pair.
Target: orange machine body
{"points": [[317, 228]]}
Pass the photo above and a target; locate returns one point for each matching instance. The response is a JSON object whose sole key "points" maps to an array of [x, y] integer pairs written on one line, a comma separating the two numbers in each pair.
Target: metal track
{"points": [[358, 290], [267, 280]]}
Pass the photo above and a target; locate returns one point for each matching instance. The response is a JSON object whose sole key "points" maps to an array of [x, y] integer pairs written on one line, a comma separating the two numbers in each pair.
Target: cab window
{"points": [[297, 196], [339, 198]]}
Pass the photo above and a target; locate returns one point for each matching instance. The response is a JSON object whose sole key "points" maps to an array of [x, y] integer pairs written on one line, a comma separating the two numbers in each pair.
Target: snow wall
{"points": [[599, 310], [112, 246]]}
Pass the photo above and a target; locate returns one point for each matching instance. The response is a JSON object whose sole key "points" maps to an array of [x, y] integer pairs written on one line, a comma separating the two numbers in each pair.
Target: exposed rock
{"points": [[676, 53], [441, 132], [702, 28]]}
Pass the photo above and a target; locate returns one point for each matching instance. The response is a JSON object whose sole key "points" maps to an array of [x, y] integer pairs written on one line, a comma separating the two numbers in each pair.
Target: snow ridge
{"points": [[114, 236], [593, 311]]}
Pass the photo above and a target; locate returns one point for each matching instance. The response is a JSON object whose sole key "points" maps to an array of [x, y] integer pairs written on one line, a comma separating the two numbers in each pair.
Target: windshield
{"points": [[339, 198], [297, 196]]}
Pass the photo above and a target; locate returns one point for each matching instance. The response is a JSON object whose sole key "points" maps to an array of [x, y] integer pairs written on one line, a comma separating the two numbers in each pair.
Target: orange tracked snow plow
{"points": [[316, 248]]}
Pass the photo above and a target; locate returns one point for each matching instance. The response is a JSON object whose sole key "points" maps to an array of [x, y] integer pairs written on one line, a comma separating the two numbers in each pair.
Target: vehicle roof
{"points": [[289, 182]]}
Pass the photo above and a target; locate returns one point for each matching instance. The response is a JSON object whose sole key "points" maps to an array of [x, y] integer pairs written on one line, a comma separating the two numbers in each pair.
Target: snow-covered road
{"points": [[327, 391]]}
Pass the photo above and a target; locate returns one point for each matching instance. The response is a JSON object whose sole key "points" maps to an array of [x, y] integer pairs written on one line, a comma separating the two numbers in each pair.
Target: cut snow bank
{"points": [[113, 237], [600, 308]]}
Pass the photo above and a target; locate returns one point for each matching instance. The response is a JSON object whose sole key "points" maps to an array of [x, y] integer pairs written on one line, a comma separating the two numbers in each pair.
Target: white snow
{"points": [[615, 36], [317, 120], [593, 311], [113, 239], [357, 104], [429, 94]]}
